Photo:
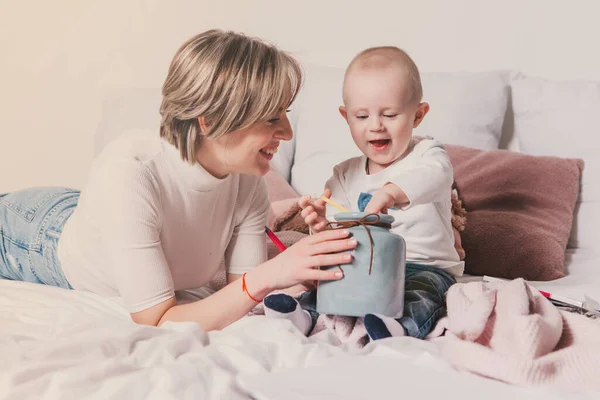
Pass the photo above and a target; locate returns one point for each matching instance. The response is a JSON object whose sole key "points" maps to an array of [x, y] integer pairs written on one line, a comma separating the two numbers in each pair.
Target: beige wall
{"points": [[59, 57]]}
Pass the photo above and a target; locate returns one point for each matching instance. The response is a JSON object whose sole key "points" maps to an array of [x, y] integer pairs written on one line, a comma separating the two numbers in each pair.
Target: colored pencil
{"points": [[275, 239], [334, 204]]}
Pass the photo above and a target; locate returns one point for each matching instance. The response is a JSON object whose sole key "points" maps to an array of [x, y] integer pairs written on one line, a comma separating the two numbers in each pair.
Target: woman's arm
{"points": [[295, 265], [209, 313], [213, 313], [223, 307]]}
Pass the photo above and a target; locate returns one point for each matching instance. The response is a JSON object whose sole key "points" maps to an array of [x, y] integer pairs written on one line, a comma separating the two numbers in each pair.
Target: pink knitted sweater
{"points": [[510, 332]]}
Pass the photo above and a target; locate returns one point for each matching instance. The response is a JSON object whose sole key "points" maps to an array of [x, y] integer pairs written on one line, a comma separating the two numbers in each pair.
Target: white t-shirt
{"points": [[425, 175], [148, 223]]}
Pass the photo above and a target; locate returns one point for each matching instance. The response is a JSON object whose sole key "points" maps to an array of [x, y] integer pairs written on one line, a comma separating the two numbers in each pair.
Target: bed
{"points": [[65, 344]]}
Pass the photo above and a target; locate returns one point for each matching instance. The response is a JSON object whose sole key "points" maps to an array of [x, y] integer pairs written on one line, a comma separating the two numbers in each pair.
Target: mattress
{"points": [[582, 270]]}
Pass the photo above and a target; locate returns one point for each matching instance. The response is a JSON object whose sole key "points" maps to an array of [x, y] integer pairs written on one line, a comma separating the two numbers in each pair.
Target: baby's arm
{"points": [[337, 185], [428, 180], [315, 211], [390, 195]]}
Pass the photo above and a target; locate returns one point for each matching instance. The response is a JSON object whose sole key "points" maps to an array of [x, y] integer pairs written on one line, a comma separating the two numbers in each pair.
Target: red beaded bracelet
{"points": [[245, 289]]}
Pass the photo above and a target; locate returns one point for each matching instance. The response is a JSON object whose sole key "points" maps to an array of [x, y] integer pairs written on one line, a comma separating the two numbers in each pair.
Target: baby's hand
{"points": [[313, 211], [381, 201]]}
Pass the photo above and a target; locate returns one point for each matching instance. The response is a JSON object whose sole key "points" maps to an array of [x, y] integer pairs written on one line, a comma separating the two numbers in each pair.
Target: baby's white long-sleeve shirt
{"points": [[425, 175]]}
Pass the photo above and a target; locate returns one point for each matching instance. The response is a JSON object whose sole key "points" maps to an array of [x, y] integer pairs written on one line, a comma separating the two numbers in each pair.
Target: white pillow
{"points": [[466, 109], [563, 119]]}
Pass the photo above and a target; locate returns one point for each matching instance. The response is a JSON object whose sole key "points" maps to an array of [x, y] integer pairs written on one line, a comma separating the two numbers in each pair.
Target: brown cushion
{"points": [[520, 211], [279, 188], [281, 195]]}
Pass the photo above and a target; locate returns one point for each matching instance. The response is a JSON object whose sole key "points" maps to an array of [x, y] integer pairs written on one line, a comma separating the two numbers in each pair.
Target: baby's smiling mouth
{"points": [[380, 144]]}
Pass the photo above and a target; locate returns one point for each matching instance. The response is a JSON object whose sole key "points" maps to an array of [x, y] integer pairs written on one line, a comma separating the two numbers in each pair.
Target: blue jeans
{"points": [[31, 222], [425, 288]]}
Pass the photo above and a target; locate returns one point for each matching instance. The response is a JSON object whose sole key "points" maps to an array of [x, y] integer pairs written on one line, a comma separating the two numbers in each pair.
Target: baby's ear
{"points": [[343, 112], [422, 110]]}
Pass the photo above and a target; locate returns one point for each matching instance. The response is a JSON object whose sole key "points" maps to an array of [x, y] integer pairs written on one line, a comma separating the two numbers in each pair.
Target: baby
{"points": [[409, 178]]}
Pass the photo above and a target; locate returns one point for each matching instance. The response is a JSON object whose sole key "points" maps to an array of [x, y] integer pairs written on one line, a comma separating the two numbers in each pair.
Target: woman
{"points": [[159, 214]]}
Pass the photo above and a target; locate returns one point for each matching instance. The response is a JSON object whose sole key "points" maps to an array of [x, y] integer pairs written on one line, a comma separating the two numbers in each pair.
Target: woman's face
{"points": [[245, 151]]}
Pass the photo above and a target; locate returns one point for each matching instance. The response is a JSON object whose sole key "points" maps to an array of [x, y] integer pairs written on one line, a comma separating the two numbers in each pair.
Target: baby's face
{"points": [[380, 113]]}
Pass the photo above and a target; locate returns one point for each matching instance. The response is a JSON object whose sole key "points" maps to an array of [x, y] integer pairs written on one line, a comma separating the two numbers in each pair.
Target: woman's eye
{"points": [[276, 119]]}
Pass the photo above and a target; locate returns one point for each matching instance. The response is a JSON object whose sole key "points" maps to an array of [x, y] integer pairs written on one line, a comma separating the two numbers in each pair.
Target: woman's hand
{"points": [[299, 262]]}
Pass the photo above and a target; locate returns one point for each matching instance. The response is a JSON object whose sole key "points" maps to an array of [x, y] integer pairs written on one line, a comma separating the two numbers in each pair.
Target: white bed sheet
{"points": [[582, 268], [56, 343]]}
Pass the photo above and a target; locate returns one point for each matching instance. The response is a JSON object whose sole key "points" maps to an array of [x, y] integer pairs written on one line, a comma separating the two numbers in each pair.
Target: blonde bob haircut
{"points": [[230, 79]]}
